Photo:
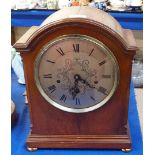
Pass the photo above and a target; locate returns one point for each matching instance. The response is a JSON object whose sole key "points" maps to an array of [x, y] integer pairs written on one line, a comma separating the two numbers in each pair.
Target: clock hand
{"points": [[85, 82], [78, 78], [75, 90]]}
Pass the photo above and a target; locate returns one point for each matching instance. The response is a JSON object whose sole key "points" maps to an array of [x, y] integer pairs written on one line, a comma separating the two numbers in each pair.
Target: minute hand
{"points": [[77, 78], [85, 82]]}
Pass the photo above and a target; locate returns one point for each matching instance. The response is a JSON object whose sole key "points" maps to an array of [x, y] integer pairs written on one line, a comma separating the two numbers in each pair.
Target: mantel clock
{"points": [[77, 67]]}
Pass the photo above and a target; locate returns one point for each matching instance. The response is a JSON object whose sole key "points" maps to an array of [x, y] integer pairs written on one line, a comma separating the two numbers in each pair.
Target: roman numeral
{"points": [[76, 47], [91, 52], [52, 88], [47, 76], [77, 101], [106, 76], [50, 61], [102, 63], [92, 98], [63, 98], [102, 90], [60, 51]]}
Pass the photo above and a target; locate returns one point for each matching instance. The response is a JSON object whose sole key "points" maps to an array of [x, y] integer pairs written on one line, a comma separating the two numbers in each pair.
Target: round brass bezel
{"points": [[82, 37]]}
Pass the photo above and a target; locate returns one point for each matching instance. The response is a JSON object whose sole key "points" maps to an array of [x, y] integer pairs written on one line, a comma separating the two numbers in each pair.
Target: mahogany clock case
{"points": [[106, 127]]}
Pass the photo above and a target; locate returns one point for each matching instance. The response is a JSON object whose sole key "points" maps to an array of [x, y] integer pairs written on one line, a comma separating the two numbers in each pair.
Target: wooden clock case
{"points": [[106, 127]]}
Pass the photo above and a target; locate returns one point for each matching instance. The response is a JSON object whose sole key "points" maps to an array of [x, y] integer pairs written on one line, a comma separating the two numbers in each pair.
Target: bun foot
{"points": [[32, 149], [126, 150]]}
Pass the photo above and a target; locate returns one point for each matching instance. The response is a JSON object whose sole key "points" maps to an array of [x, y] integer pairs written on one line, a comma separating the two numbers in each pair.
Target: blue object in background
{"points": [[128, 20], [27, 18], [21, 129], [100, 5]]}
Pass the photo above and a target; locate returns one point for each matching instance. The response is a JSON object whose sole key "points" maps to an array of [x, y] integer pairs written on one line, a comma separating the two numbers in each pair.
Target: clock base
{"points": [[80, 141]]}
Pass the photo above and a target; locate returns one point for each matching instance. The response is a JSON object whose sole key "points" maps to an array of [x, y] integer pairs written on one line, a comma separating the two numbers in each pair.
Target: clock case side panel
{"points": [[64, 123]]}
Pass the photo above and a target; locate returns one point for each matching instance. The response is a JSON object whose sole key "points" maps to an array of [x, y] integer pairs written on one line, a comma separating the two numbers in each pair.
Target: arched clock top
{"points": [[86, 12], [73, 17]]}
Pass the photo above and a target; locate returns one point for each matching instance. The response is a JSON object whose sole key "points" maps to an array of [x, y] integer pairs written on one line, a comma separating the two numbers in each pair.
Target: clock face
{"points": [[76, 73]]}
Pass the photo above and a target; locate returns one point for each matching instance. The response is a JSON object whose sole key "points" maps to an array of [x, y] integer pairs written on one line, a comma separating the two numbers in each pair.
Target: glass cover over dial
{"points": [[76, 73]]}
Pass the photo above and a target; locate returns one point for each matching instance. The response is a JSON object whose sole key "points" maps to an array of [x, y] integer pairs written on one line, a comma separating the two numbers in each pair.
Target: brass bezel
{"points": [[82, 37]]}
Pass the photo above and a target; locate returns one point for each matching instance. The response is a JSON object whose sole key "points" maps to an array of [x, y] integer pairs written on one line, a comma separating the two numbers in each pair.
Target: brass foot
{"points": [[126, 150], [32, 149]]}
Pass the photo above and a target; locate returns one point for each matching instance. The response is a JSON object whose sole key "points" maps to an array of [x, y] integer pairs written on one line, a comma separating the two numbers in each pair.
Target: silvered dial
{"points": [[76, 73]]}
